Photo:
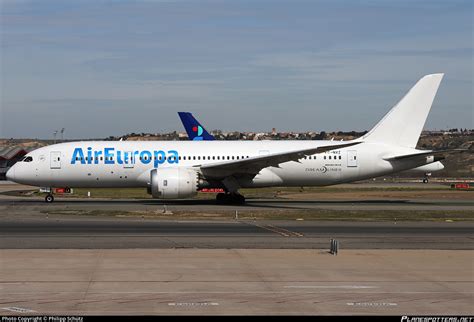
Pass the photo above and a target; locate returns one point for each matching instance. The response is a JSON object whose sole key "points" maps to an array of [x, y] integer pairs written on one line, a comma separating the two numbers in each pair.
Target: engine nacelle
{"points": [[173, 183]]}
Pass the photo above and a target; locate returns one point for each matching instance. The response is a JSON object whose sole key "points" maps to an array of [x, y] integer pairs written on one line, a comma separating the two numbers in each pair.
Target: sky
{"points": [[101, 68]]}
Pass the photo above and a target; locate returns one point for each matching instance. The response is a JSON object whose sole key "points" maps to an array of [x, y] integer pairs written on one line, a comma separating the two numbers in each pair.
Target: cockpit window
{"points": [[28, 159], [21, 159]]}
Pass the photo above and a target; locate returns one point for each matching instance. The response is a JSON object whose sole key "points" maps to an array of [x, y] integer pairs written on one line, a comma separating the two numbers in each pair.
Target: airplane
{"points": [[193, 128], [179, 169]]}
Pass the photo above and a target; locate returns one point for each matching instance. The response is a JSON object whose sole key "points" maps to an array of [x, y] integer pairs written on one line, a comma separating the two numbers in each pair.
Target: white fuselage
{"points": [[129, 163]]}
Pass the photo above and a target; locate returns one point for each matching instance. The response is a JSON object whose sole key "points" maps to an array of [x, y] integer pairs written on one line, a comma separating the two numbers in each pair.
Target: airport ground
{"points": [[405, 249]]}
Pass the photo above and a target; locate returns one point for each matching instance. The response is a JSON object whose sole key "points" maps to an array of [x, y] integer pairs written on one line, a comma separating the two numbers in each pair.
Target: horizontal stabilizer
{"points": [[439, 153]]}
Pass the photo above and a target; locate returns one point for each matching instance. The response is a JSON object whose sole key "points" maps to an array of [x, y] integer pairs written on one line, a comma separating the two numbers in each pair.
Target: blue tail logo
{"points": [[194, 130]]}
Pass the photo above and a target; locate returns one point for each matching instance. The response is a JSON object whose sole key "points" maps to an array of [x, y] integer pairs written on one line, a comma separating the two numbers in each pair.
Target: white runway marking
{"points": [[371, 304], [17, 309], [193, 304], [332, 286]]}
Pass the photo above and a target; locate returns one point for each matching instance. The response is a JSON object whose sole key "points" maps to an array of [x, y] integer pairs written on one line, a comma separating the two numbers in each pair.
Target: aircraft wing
{"points": [[438, 153], [253, 165]]}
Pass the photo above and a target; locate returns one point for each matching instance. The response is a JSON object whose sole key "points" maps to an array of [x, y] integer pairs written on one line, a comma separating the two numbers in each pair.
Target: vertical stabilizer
{"points": [[194, 129], [403, 124]]}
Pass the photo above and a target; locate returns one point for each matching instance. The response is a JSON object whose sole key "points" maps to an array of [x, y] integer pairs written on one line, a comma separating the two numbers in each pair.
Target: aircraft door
{"points": [[55, 160], [352, 158]]}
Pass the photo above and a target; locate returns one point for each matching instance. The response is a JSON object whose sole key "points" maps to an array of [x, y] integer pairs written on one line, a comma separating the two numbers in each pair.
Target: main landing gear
{"points": [[49, 198], [425, 179], [230, 198]]}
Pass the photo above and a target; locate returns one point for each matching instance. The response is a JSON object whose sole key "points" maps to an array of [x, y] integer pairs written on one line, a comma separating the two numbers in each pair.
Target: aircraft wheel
{"points": [[221, 198], [237, 199], [49, 198]]}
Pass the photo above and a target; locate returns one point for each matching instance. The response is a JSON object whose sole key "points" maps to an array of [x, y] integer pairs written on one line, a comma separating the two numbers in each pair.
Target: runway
{"points": [[102, 256], [251, 204], [76, 232], [28, 222]]}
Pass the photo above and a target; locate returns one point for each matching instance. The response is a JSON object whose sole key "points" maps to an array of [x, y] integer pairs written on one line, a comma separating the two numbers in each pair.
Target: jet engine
{"points": [[173, 183]]}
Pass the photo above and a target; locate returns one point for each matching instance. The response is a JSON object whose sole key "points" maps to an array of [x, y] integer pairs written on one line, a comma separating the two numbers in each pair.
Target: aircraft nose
{"points": [[11, 174]]}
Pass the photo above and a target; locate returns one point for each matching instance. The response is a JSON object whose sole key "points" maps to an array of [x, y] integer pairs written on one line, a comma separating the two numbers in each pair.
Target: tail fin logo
{"points": [[198, 130]]}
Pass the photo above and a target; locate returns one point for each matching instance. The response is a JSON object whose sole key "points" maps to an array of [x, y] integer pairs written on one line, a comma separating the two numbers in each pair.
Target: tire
{"points": [[240, 200], [49, 198], [221, 198], [236, 199]]}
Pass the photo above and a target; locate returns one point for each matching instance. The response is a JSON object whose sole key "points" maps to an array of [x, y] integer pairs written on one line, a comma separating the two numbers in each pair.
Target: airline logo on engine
{"points": [[113, 156]]}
